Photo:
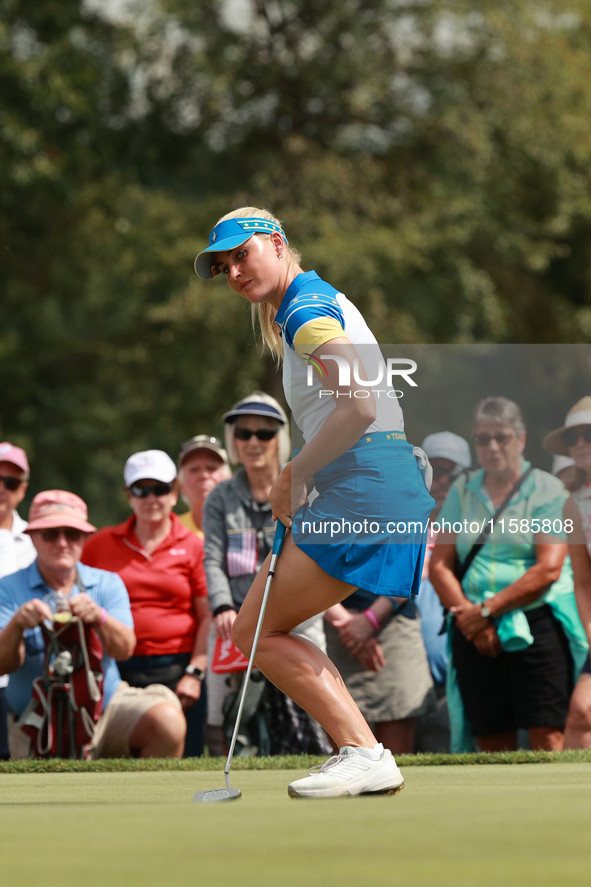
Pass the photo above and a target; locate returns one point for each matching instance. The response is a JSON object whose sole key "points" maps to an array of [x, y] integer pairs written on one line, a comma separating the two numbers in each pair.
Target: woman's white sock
{"points": [[374, 754]]}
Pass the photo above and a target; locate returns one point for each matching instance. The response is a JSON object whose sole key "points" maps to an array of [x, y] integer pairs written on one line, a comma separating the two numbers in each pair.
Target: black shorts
{"points": [[529, 688]]}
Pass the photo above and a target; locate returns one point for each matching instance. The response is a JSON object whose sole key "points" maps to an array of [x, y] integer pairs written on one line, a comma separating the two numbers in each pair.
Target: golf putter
{"points": [[228, 793]]}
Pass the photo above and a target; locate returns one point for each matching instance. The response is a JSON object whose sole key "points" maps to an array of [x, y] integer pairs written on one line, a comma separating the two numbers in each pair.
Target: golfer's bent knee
{"points": [[242, 635]]}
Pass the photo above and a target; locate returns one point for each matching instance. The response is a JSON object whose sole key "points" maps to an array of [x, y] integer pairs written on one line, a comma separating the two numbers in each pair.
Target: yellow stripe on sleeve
{"points": [[316, 332]]}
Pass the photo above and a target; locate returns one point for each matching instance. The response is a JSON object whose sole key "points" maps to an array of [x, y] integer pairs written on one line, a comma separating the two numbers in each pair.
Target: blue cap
{"points": [[254, 408], [228, 235]]}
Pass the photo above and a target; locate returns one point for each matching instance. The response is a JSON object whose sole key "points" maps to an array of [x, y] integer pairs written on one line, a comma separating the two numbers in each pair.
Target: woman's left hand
{"points": [[188, 690], [287, 496], [371, 656], [469, 619]]}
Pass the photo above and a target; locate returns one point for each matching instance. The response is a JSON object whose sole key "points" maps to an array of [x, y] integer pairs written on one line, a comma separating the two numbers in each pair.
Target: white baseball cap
{"points": [[447, 445], [149, 464], [560, 462]]}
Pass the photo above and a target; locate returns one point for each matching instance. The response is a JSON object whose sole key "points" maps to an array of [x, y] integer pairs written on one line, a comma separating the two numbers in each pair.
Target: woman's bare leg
{"points": [[546, 738], [577, 733], [398, 736], [499, 741], [300, 590]]}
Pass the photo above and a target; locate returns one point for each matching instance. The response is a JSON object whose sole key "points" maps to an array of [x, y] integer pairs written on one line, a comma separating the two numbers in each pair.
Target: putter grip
{"points": [[279, 537]]}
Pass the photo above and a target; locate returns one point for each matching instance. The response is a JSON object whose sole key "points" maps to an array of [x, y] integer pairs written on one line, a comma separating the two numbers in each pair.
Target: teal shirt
{"points": [[506, 556], [502, 560]]}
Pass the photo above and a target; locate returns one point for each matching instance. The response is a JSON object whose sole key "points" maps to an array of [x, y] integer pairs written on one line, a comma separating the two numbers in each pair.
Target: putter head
{"points": [[217, 794]]}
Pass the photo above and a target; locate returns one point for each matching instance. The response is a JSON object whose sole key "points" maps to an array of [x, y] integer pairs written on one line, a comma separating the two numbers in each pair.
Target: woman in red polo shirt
{"points": [[161, 564]]}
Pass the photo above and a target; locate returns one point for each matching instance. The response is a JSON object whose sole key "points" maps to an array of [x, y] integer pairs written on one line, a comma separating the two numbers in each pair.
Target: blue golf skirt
{"points": [[368, 525]]}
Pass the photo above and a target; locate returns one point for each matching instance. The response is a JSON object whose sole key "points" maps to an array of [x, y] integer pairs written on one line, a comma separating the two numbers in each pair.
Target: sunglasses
{"points": [[483, 440], [570, 438], [262, 433], [52, 534], [11, 483], [140, 492]]}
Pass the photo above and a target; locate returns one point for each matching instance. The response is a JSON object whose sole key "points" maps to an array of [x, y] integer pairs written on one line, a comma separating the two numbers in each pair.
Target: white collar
{"points": [[18, 525]]}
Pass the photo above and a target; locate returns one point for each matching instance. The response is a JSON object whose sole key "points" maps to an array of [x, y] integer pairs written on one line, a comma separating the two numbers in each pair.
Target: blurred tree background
{"points": [[431, 159]]}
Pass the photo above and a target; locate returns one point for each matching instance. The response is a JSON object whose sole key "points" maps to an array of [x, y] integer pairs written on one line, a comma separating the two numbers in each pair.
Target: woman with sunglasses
{"points": [[574, 439], [239, 531], [514, 642], [161, 563], [356, 457]]}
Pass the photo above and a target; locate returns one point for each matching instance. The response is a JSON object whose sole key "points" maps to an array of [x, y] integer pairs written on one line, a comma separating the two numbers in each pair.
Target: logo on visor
{"points": [[214, 236]]}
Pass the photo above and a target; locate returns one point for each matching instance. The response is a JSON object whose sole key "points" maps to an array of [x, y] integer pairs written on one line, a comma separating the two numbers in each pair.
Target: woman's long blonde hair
{"points": [[265, 313]]}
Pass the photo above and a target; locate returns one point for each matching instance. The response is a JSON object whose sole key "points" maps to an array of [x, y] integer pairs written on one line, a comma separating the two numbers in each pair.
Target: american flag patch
{"points": [[242, 554]]}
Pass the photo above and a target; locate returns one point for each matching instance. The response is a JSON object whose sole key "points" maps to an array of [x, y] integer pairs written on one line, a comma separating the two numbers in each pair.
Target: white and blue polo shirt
{"points": [[311, 314]]}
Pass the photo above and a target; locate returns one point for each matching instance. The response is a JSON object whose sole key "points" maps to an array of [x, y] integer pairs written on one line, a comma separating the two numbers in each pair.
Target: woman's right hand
{"points": [[487, 642], [223, 623], [287, 496]]}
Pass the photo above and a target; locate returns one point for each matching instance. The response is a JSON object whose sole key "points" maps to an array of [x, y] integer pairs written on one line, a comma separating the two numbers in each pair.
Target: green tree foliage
{"points": [[429, 158], [432, 158]]}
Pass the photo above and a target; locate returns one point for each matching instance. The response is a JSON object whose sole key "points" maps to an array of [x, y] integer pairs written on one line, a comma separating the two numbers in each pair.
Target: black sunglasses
{"points": [[52, 534], [11, 483], [140, 492], [483, 440], [262, 433], [570, 438]]}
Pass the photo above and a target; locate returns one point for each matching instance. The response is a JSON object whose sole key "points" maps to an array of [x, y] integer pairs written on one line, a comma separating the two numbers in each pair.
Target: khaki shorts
{"points": [[403, 688], [114, 728]]}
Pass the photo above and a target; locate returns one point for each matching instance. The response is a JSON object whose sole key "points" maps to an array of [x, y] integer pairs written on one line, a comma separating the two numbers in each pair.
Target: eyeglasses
{"points": [[483, 440], [11, 483], [52, 534], [140, 492], [570, 438], [264, 434]]}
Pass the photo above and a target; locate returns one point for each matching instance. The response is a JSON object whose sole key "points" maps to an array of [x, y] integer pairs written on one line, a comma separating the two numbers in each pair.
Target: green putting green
{"points": [[491, 826]]}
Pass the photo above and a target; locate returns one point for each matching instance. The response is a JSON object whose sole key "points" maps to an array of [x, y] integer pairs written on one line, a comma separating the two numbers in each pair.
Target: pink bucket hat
{"points": [[56, 508], [18, 457]]}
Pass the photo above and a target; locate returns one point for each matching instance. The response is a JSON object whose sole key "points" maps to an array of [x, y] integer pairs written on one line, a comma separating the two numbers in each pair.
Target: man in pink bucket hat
{"points": [[141, 722]]}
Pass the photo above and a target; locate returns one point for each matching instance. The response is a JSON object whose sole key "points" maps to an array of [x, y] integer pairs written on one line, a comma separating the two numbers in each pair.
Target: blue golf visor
{"points": [[228, 235]]}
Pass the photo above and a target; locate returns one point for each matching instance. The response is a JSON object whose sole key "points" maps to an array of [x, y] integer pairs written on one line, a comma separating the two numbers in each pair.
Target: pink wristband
{"points": [[103, 618], [372, 619]]}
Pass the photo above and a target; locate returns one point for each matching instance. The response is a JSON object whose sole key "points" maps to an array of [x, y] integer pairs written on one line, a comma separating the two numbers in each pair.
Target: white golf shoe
{"points": [[348, 774]]}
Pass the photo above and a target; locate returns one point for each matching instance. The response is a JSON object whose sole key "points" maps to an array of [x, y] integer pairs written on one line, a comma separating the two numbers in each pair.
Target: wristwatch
{"points": [[195, 672], [485, 611]]}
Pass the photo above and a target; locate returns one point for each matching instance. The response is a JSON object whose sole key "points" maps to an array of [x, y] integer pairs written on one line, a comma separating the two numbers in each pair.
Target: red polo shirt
{"points": [[161, 585]]}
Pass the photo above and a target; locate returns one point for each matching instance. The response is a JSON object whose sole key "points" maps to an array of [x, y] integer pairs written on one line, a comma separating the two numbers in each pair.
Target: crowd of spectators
{"points": [[491, 654]]}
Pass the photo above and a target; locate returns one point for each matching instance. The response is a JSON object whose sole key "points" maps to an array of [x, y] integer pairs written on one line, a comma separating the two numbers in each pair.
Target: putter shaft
{"points": [[255, 641]]}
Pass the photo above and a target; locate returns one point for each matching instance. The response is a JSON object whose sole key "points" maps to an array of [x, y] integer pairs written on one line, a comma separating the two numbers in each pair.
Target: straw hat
{"points": [[580, 414]]}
